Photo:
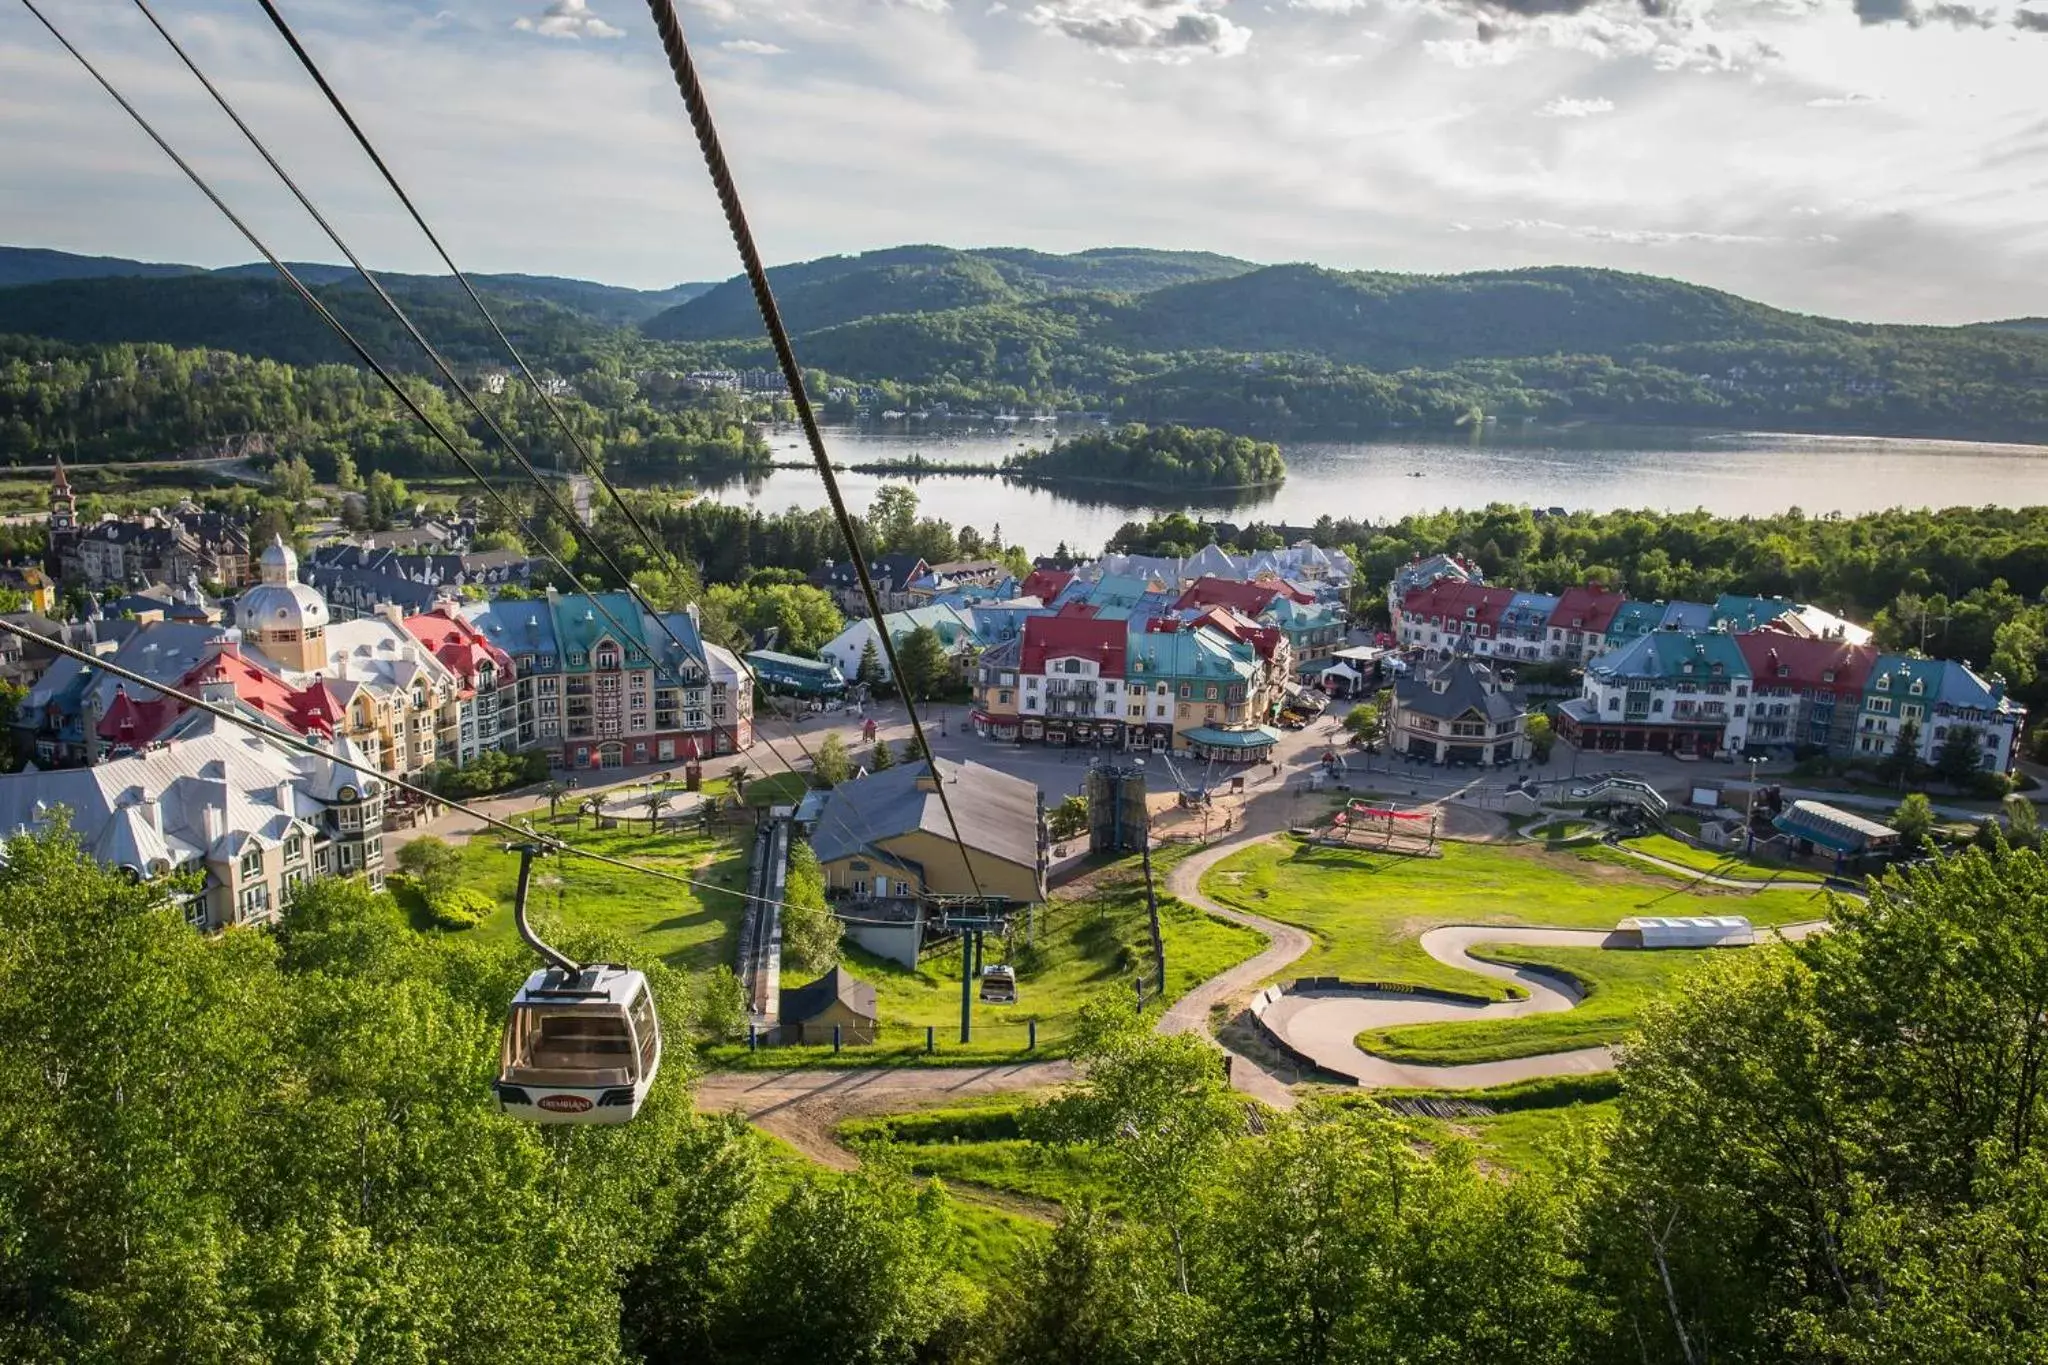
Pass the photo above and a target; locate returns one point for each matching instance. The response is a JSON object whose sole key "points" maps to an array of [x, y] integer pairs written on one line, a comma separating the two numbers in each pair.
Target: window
{"points": [[1209, 693], [255, 901], [295, 848], [252, 863], [607, 658]]}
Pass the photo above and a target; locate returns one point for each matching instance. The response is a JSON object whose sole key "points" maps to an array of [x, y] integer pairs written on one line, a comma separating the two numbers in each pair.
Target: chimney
{"points": [[390, 612]]}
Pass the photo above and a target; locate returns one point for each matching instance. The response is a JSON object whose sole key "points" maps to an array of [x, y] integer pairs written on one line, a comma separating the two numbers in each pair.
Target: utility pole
{"points": [[1749, 825]]}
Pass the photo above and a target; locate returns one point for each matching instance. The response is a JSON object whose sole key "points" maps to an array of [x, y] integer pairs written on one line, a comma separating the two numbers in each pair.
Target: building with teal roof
{"points": [[1675, 692]]}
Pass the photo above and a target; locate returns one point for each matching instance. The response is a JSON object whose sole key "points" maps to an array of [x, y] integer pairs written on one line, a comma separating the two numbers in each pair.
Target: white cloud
{"points": [[1564, 106], [752, 47], [1634, 236], [568, 19], [1848, 101], [1164, 30], [1334, 59], [1330, 6]]}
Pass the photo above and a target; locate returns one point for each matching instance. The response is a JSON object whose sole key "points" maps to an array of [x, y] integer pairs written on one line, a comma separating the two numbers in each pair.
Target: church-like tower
{"points": [[63, 505]]}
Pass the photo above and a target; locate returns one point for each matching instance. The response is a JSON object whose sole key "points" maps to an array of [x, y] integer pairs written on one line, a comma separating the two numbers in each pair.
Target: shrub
{"points": [[463, 908]]}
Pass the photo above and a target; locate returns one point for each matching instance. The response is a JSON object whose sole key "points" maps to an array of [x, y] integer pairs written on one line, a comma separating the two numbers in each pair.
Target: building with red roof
{"points": [[1045, 584], [1805, 693], [225, 676], [486, 680], [1578, 627], [1250, 598], [1071, 679], [1451, 616]]}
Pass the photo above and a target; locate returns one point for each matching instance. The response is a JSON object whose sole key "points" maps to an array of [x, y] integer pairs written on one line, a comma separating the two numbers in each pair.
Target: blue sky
{"points": [[1880, 159]]}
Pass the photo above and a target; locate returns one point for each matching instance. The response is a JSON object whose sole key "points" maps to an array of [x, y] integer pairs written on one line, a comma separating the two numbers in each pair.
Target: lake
{"points": [[1592, 469]]}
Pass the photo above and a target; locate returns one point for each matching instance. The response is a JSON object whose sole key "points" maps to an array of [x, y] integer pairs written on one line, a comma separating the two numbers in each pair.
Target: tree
{"points": [[1363, 722], [387, 498], [293, 479], [892, 516], [345, 476], [1541, 738], [882, 758], [2022, 822], [926, 667], [1904, 759], [913, 752], [869, 671], [1958, 759], [853, 1269], [1156, 1105], [433, 864], [830, 764], [656, 802], [1914, 820], [719, 1009], [810, 931], [1814, 1140], [736, 778], [1069, 819]]}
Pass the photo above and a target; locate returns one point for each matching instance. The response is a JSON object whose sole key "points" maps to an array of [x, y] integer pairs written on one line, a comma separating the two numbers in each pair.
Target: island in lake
{"points": [[1169, 457]]}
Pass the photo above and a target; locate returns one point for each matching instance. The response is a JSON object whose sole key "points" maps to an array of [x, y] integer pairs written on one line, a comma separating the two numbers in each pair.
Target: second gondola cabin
{"points": [[579, 1047]]}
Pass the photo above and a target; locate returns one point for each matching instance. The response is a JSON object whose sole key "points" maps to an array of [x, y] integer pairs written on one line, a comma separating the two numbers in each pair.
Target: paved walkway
{"points": [[1286, 943]]}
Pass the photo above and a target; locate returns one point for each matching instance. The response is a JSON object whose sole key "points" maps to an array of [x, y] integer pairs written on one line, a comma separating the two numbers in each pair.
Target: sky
{"points": [[1884, 160]]}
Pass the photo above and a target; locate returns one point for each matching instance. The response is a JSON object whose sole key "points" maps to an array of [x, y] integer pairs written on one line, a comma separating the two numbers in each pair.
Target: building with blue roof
{"points": [[1665, 692], [1524, 624], [1944, 701]]}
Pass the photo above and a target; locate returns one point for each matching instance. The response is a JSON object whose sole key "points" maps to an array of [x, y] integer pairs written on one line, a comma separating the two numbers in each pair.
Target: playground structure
{"points": [[1382, 829]]}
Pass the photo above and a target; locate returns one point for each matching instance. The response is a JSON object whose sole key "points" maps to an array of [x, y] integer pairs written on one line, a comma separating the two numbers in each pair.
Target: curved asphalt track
{"points": [[1324, 1025]]}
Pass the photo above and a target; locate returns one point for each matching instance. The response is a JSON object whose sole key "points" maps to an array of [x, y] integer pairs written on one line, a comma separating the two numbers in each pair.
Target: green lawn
{"points": [[1730, 864], [688, 927], [1617, 982], [1368, 910]]}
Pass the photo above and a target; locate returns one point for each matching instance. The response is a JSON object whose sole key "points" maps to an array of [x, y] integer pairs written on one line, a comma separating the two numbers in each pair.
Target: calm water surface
{"points": [[1728, 473]]}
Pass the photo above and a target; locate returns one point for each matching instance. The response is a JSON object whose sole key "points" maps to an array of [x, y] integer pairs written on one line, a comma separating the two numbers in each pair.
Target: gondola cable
{"points": [[519, 832], [440, 363], [590, 461], [676, 47]]}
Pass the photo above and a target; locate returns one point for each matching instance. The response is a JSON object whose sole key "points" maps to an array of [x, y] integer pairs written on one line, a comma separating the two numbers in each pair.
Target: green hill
{"points": [[39, 265], [925, 279], [260, 315]]}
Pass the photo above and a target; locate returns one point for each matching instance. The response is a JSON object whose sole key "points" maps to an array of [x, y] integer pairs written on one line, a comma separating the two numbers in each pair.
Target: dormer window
{"points": [[1884, 684], [1917, 687], [607, 658]]}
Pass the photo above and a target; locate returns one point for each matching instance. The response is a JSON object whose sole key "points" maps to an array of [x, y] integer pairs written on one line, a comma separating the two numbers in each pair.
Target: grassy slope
{"points": [[1367, 911], [687, 926], [1618, 984], [1721, 864], [1086, 948]]}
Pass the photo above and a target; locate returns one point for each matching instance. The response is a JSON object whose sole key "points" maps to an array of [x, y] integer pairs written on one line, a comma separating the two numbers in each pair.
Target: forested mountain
{"points": [[38, 265], [262, 317], [926, 279], [1161, 338]]}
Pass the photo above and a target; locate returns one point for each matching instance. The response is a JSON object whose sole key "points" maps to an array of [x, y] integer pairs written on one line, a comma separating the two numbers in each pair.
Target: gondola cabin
{"points": [[579, 1047], [999, 986]]}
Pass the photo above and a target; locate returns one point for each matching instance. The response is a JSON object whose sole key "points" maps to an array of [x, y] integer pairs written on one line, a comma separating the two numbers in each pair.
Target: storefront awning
{"points": [[1258, 737]]}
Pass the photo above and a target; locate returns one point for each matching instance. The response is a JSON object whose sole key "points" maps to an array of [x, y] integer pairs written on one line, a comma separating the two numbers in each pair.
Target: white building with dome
{"points": [[280, 616], [385, 691]]}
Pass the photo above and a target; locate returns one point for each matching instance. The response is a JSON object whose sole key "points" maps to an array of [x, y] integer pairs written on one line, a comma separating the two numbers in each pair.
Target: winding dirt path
{"points": [[803, 1107]]}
